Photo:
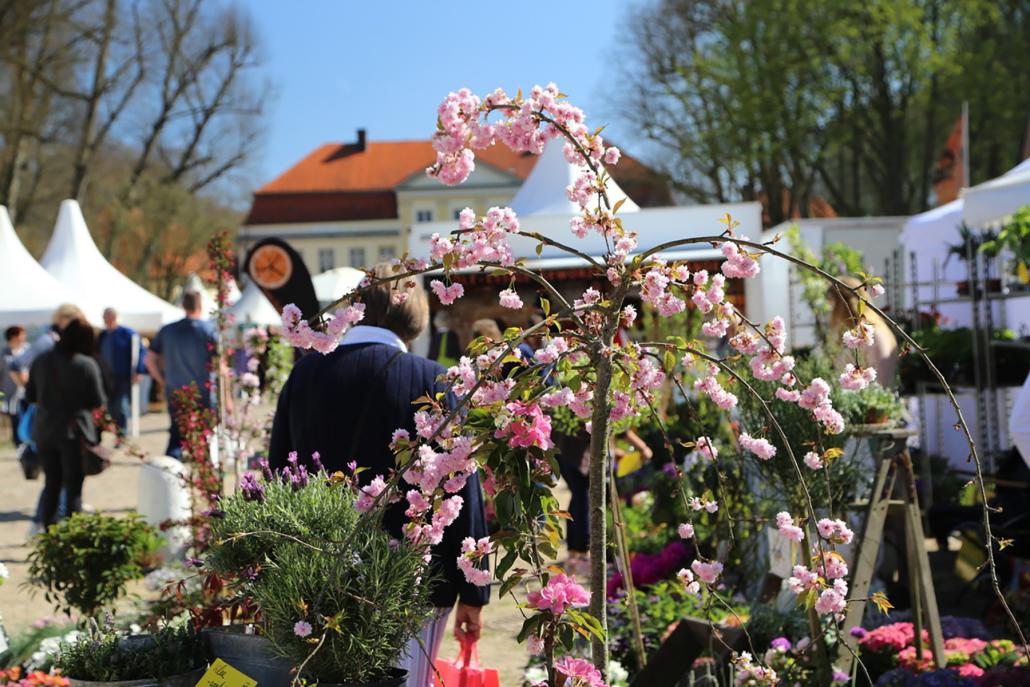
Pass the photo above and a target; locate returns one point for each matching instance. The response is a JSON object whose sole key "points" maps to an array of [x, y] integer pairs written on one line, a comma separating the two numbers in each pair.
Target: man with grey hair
{"points": [[181, 355], [115, 346]]}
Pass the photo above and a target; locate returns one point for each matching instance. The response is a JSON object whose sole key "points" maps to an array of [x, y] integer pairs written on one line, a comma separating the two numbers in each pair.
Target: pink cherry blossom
{"points": [[786, 526], [863, 334], [579, 672], [813, 460], [685, 530], [802, 580], [706, 448], [834, 530], [707, 572], [687, 578], [760, 447], [447, 294], [856, 378], [510, 299], [560, 592]]}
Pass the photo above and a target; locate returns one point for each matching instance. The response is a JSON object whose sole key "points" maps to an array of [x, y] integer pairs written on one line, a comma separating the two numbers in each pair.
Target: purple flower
{"points": [[858, 632], [840, 676], [302, 628], [780, 644], [251, 488], [266, 471], [316, 462], [193, 563]]}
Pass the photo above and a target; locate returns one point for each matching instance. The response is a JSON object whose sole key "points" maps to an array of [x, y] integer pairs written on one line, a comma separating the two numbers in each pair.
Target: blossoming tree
{"points": [[506, 399]]}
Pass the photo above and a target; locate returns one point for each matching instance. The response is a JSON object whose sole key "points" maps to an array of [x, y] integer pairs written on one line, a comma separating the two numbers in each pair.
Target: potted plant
{"points": [[85, 562], [983, 242], [339, 598], [873, 405], [1015, 237], [171, 657]]}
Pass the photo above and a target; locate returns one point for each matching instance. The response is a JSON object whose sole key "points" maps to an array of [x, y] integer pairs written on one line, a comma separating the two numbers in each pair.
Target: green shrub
{"points": [[86, 561], [315, 560], [108, 656]]}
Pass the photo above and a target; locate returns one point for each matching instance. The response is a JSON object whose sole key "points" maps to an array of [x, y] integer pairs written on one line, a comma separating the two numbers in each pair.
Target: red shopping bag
{"points": [[465, 670]]}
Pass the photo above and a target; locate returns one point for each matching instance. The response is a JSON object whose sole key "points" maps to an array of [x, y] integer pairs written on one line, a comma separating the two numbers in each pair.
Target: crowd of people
{"points": [[61, 389]]}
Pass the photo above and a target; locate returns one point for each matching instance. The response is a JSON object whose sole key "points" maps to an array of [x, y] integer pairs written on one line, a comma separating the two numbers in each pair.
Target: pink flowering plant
{"points": [[507, 400]]}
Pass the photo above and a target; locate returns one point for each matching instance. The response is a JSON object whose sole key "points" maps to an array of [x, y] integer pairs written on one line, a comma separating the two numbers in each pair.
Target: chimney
{"points": [[361, 141]]}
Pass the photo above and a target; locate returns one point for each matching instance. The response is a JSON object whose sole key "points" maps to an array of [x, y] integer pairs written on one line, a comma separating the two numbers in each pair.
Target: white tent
{"points": [[74, 259], [998, 198], [928, 237], [254, 308], [332, 284], [28, 293], [543, 191]]}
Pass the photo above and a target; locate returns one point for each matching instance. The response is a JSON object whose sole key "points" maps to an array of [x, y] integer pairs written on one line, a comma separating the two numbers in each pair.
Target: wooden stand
{"points": [[893, 461]]}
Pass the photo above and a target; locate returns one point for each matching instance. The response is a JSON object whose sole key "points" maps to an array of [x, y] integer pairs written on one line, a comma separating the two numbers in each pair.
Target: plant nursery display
{"points": [[721, 469]]}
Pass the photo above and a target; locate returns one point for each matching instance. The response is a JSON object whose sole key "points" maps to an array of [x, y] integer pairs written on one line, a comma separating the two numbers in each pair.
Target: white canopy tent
{"points": [[543, 191], [996, 199], [928, 236], [254, 308], [28, 293], [332, 284], [74, 259]]}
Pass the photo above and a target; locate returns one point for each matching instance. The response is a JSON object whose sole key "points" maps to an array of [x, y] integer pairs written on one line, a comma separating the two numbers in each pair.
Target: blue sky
{"points": [[338, 65]]}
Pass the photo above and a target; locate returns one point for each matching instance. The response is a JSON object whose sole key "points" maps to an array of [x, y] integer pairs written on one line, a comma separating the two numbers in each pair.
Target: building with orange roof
{"points": [[353, 204]]}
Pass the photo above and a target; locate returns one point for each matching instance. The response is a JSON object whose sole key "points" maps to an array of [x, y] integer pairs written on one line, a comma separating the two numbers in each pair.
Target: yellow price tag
{"points": [[221, 674]]}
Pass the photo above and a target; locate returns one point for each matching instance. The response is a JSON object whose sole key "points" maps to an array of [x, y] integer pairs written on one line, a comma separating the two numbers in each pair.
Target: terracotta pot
{"points": [[252, 655], [876, 417]]}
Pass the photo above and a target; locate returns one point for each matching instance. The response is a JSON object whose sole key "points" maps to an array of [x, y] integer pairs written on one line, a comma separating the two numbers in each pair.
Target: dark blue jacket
{"points": [[321, 409], [115, 347]]}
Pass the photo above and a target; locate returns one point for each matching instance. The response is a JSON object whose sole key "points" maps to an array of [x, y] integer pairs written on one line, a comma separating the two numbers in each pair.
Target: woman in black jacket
{"points": [[346, 406], [66, 385]]}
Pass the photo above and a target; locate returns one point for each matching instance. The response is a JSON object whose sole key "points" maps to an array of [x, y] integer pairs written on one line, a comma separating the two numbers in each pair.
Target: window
{"points": [[423, 215], [387, 252], [357, 257], [326, 259]]}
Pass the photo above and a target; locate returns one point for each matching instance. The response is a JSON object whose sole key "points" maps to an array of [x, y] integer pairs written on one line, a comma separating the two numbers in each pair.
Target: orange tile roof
{"points": [[383, 165]]}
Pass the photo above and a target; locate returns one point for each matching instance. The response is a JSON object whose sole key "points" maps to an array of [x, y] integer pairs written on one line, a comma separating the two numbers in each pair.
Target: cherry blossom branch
{"points": [[974, 453]]}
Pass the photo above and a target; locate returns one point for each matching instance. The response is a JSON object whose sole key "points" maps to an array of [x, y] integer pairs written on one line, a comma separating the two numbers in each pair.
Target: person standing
{"points": [[346, 405], [21, 365], [66, 385], [115, 346], [182, 354], [11, 387]]}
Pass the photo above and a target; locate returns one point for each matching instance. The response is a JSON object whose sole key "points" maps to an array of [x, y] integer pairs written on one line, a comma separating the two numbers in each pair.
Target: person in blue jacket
{"points": [[115, 347], [346, 405]]}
